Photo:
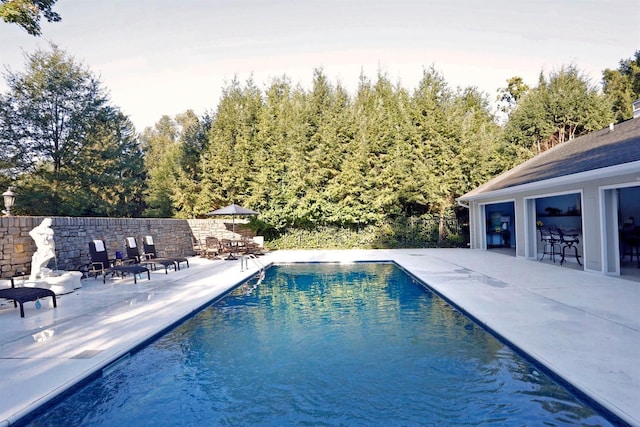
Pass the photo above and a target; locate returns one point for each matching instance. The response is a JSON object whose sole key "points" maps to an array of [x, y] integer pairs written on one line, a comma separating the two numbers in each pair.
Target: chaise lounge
{"points": [[102, 264], [133, 253], [22, 295], [150, 250]]}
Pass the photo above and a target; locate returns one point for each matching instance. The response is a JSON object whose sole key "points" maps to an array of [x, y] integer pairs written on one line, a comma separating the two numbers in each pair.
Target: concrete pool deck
{"points": [[584, 327]]}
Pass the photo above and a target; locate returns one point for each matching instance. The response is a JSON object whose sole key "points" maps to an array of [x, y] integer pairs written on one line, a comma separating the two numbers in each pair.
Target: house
{"points": [[589, 185]]}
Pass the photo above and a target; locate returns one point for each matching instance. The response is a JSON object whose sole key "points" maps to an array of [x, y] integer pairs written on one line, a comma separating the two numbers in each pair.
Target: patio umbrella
{"points": [[232, 210]]}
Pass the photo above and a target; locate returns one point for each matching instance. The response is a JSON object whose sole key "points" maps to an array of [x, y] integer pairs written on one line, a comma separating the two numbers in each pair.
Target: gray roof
{"points": [[593, 151]]}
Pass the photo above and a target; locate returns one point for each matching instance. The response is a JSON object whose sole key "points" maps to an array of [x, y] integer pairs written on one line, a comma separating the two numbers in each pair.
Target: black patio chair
{"points": [[569, 240], [150, 251], [133, 253], [101, 264], [550, 243]]}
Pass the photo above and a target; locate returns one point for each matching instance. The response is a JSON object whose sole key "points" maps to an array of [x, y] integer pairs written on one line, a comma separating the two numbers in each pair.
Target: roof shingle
{"points": [[593, 151]]}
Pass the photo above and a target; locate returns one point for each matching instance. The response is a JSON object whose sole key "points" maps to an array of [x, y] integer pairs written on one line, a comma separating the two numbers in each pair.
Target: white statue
{"points": [[60, 282], [45, 249]]}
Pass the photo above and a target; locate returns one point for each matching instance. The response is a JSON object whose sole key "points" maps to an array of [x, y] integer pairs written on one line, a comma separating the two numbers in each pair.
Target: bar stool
{"points": [[550, 243], [569, 241]]}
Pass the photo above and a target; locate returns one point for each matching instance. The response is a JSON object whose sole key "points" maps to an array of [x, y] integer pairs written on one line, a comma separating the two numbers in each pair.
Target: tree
{"points": [[306, 159], [229, 158], [479, 154], [161, 163], [26, 13], [65, 142], [435, 141], [267, 192], [387, 133], [560, 108], [313, 148], [193, 141], [622, 86], [508, 97], [172, 161], [108, 176]]}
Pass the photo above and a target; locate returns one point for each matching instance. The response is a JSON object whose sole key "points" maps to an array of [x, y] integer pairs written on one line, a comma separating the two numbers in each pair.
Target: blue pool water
{"points": [[318, 344]]}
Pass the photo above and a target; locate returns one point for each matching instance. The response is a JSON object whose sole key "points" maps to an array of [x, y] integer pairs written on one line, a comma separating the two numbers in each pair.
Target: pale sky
{"points": [[159, 57]]}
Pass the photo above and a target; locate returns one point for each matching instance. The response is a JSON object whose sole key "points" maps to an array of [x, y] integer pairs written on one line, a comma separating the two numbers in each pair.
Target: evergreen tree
{"points": [[320, 121], [192, 141], [292, 189], [622, 86], [434, 140], [561, 108], [267, 189], [228, 160], [161, 163]]}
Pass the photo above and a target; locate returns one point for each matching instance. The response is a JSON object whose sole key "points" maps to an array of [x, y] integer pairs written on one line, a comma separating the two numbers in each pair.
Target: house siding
{"points": [[527, 239]]}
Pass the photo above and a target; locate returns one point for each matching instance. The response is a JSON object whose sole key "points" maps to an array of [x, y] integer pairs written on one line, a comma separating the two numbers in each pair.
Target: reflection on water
{"points": [[326, 345]]}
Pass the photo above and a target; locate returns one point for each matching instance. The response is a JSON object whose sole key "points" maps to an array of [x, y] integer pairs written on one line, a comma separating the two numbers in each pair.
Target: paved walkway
{"points": [[584, 327]]}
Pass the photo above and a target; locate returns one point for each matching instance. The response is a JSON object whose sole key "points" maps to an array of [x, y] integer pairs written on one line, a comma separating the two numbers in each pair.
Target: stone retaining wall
{"points": [[72, 237]]}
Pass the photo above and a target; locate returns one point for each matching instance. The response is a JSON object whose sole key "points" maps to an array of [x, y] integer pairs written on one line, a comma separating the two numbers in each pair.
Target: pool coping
{"points": [[563, 311]]}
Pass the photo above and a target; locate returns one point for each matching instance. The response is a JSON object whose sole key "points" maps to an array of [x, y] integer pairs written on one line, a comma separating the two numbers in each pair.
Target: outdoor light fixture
{"points": [[9, 197]]}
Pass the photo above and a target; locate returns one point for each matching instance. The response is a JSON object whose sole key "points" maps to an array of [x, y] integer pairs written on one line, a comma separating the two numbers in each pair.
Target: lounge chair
{"points": [[133, 253], [199, 248], [150, 250], [25, 294], [102, 264]]}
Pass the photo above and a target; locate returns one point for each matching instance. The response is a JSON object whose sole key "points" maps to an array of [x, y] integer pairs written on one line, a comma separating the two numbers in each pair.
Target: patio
{"points": [[582, 326]]}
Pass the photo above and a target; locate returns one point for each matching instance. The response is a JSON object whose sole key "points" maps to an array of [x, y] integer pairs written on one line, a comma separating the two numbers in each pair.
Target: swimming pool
{"points": [[360, 344]]}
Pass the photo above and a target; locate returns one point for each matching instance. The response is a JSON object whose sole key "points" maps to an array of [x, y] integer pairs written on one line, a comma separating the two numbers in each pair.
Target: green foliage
{"points": [[411, 232], [508, 97], [560, 108], [161, 158], [317, 159], [26, 13], [380, 169], [622, 86], [192, 142], [71, 152], [228, 160]]}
